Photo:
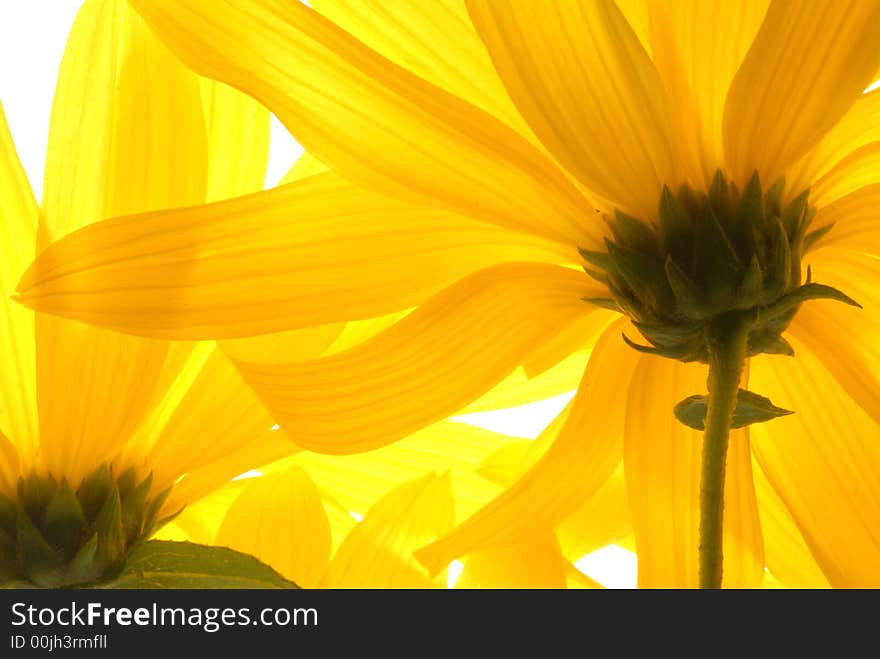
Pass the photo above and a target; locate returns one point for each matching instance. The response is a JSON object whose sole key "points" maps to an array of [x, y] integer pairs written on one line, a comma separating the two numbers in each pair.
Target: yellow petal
{"points": [[10, 470], [316, 251], [786, 554], [533, 563], [452, 57], [293, 345], [697, 46], [578, 462], [215, 416], [579, 335], [637, 15], [581, 78], [859, 169], [18, 230], [306, 165], [823, 461], [855, 221], [449, 351], [858, 127], [504, 464], [280, 519], [662, 463], [237, 131], [378, 551], [201, 519], [126, 135], [601, 521], [373, 121], [844, 338], [808, 65], [357, 481]]}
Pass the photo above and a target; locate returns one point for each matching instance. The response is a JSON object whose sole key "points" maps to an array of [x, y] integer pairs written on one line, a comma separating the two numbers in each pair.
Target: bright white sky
{"points": [[32, 38]]}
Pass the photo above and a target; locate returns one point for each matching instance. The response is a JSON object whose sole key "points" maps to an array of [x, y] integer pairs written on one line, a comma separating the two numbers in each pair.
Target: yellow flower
{"points": [[99, 429], [471, 146]]}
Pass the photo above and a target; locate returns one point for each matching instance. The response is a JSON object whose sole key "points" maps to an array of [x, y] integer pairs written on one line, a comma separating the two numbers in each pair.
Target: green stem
{"points": [[727, 341]]}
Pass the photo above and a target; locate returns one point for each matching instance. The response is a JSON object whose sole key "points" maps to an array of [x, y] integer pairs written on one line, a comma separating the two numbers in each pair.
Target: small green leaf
{"points": [[132, 511], [84, 568], [675, 227], [750, 408], [794, 212], [162, 564], [811, 238], [34, 493], [111, 537], [688, 297], [601, 260], [642, 274], [773, 198], [749, 212], [93, 491], [602, 302], [778, 275], [809, 291], [634, 234], [749, 289], [42, 564], [64, 520]]}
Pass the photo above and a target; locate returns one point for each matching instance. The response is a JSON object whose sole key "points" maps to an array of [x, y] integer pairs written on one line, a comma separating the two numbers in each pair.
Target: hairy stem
{"points": [[727, 339]]}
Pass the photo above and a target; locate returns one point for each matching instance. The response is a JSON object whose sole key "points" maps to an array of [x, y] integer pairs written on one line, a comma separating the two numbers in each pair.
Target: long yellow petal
{"points": [[858, 127], [9, 467], [356, 481], [786, 554], [532, 563], [237, 132], [808, 65], [824, 461], [854, 220], [449, 351], [697, 46], [602, 520], [581, 78], [216, 415], [18, 231], [370, 119], [280, 519], [844, 338], [378, 551], [316, 251], [126, 135], [578, 462], [435, 40], [859, 169], [662, 463]]}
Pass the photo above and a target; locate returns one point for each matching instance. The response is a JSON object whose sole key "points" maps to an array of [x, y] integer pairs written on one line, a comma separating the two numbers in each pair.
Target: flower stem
{"points": [[727, 341]]}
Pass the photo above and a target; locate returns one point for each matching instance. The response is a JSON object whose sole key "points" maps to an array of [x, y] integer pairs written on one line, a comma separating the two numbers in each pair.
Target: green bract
{"points": [[54, 536], [724, 252]]}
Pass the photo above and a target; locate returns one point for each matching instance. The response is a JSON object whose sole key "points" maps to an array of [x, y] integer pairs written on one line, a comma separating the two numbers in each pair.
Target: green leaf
{"points": [[675, 227], [603, 302], [42, 564], [750, 408], [93, 491], [809, 291], [64, 520], [634, 234], [773, 198], [688, 298], [163, 564]]}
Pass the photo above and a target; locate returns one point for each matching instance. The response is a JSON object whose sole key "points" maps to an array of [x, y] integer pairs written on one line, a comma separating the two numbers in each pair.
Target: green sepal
{"points": [[687, 296], [630, 306], [601, 260], [720, 195], [749, 212], [151, 524], [93, 491], [778, 275], [132, 509], [675, 227], [684, 353], [809, 291], [83, 568], [8, 553], [750, 408], [603, 302], [773, 198], [111, 537], [41, 564], [600, 277], [643, 275], [749, 290], [64, 521], [34, 493], [663, 335], [813, 236], [633, 234], [163, 564], [8, 513], [793, 214], [125, 482], [769, 343], [716, 259]]}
